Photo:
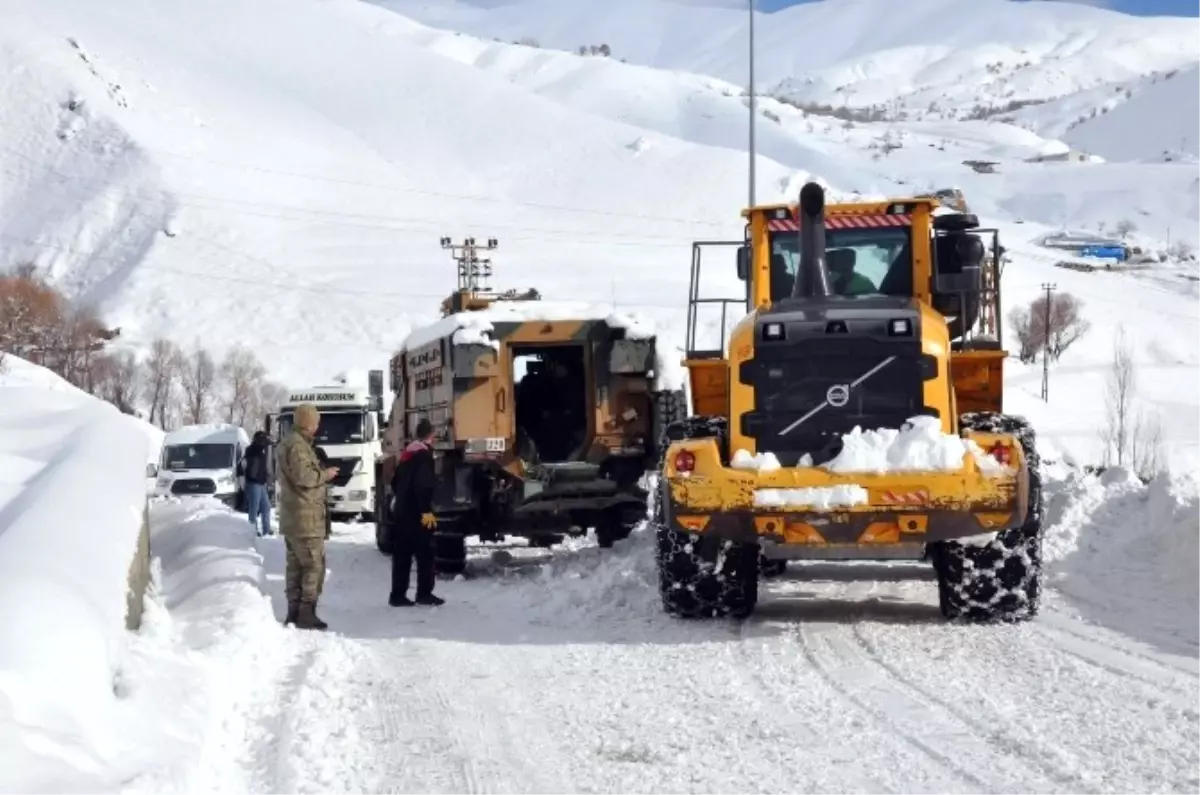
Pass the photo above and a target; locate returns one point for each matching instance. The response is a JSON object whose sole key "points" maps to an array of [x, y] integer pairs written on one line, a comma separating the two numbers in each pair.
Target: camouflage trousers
{"points": [[305, 577]]}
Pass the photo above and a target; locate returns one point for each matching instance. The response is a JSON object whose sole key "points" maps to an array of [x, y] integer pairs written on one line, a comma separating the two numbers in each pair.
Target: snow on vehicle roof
{"points": [[207, 433], [474, 328]]}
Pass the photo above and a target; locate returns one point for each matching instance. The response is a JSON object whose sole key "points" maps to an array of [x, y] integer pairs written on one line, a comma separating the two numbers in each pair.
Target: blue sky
{"points": [[1179, 8]]}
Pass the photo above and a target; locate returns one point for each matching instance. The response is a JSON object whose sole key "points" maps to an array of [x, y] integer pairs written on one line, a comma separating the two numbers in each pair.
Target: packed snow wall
{"points": [[72, 531]]}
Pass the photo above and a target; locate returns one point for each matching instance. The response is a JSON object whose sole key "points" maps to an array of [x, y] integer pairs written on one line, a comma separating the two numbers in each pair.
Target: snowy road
{"points": [[535, 678]]}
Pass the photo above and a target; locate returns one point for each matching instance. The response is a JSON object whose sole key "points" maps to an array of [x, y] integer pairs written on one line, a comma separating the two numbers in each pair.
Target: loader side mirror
{"points": [[743, 262], [151, 470]]}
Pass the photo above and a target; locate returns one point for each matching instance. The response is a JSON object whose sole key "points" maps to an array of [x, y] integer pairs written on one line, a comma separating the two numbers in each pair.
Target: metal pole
{"points": [[753, 104], [1049, 288]]}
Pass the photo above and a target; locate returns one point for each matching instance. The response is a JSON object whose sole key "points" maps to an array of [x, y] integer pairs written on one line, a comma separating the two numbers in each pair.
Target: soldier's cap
{"points": [[307, 416]]}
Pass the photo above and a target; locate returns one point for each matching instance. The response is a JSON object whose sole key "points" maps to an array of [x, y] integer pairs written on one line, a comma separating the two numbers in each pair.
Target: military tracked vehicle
{"points": [[546, 418]]}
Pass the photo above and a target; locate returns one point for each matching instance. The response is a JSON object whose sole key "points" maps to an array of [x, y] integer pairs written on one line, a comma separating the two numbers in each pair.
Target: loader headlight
{"points": [[773, 331], [901, 327]]}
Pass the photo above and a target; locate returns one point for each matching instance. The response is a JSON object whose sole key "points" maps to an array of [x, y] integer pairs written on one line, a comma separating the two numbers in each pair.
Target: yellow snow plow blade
{"points": [[812, 505]]}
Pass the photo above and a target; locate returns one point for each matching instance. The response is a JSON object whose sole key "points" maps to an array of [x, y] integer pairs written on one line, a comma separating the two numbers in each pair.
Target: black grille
{"points": [[345, 470], [194, 486], [792, 380]]}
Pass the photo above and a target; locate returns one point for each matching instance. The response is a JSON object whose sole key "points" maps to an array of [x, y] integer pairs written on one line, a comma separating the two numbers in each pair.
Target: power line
{"points": [[399, 224], [415, 191], [320, 289]]}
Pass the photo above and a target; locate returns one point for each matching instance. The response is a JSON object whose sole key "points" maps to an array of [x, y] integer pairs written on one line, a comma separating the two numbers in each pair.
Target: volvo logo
{"points": [[838, 395]]}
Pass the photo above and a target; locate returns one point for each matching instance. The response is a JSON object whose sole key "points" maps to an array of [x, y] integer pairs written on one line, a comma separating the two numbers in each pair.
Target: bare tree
{"points": [[270, 397], [39, 324], [242, 376], [1119, 393], [1146, 446], [1125, 228], [198, 378], [1054, 331], [1067, 323], [1180, 249], [117, 378], [161, 379], [1029, 341]]}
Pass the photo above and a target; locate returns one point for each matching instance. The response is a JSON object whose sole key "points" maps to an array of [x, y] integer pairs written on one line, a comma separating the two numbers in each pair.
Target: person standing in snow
{"points": [[257, 471], [412, 487], [302, 517]]}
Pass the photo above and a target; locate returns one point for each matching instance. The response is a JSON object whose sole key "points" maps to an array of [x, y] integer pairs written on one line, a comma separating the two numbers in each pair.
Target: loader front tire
{"points": [[702, 576], [1000, 580]]}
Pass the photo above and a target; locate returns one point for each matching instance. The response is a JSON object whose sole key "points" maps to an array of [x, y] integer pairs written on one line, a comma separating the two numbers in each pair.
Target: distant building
{"points": [[1063, 156], [1088, 245]]}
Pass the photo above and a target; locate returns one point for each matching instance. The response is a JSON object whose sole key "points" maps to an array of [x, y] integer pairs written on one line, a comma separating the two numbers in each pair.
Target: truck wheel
{"points": [[702, 576], [1000, 580], [449, 553], [706, 577], [383, 538], [669, 407], [768, 567]]}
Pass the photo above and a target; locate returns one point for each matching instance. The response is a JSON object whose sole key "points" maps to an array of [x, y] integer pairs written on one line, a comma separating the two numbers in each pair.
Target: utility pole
{"points": [[1049, 288], [473, 271], [753, 106]]}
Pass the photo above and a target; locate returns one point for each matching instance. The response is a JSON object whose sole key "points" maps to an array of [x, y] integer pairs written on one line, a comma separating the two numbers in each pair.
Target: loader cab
{"points": [[870, 272]]}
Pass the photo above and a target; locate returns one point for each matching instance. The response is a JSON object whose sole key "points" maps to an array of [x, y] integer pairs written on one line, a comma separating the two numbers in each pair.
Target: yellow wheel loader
{"points": [[855, 412]]}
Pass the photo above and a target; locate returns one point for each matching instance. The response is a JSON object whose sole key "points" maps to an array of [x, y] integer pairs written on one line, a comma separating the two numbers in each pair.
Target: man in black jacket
{"points": [[257, 471], [414, 522]]}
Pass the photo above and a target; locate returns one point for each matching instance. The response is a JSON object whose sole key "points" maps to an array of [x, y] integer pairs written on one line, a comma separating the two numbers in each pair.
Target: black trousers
{"points": [[412, 544]]}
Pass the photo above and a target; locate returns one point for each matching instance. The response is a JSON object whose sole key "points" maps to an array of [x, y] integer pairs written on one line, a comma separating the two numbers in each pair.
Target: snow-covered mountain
{"points": [[927, 57], [280, 173]]}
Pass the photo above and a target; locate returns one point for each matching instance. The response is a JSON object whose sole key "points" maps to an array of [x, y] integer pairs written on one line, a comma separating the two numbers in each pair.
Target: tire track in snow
{"points": [[836, 651], [1001, 738], [1106, 651], [412, 734], [833, 658]]}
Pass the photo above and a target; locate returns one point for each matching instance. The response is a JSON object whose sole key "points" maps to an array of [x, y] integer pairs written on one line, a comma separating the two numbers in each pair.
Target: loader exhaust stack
{"points": [[812, 277]]}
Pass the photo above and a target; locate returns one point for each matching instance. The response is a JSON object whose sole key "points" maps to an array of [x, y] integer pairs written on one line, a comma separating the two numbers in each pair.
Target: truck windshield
{"points": [[198, 456], [860, 262], [337, 427]]}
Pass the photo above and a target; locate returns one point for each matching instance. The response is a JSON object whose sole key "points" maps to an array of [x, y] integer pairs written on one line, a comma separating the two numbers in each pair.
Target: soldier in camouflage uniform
{"points": [[302, 509]]}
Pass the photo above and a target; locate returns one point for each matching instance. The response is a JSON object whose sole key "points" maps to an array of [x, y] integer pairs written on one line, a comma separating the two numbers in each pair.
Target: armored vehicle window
{"points": [[551, 402], [860, 262]]}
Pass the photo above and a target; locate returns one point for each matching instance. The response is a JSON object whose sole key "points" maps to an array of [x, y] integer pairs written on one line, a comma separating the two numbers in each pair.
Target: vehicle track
{"points": [[998, 736], [1093, 645], [421, 753]]}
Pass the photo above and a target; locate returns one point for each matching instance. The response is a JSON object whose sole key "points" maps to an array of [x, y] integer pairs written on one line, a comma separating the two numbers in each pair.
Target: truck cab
{"points": [[349, 435], [202, 461]]}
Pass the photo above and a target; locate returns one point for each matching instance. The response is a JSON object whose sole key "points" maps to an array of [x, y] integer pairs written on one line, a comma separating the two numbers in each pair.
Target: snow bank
{"points": [[214, 621], [72, 496], [919, 445], [1124, 550], [474, 328]]}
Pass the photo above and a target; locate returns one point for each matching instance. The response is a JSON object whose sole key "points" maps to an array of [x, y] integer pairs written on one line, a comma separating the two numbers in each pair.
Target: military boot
{"points": [[307, 617], [292, 613]]}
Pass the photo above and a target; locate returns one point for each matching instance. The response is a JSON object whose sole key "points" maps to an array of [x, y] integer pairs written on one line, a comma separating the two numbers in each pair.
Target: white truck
{"points": [[349, 434], [202, 461]]}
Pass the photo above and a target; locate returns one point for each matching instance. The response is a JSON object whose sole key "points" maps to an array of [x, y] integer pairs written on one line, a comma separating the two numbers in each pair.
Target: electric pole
{"points": [[753, 105], [1049, 288], [474, 271]]}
